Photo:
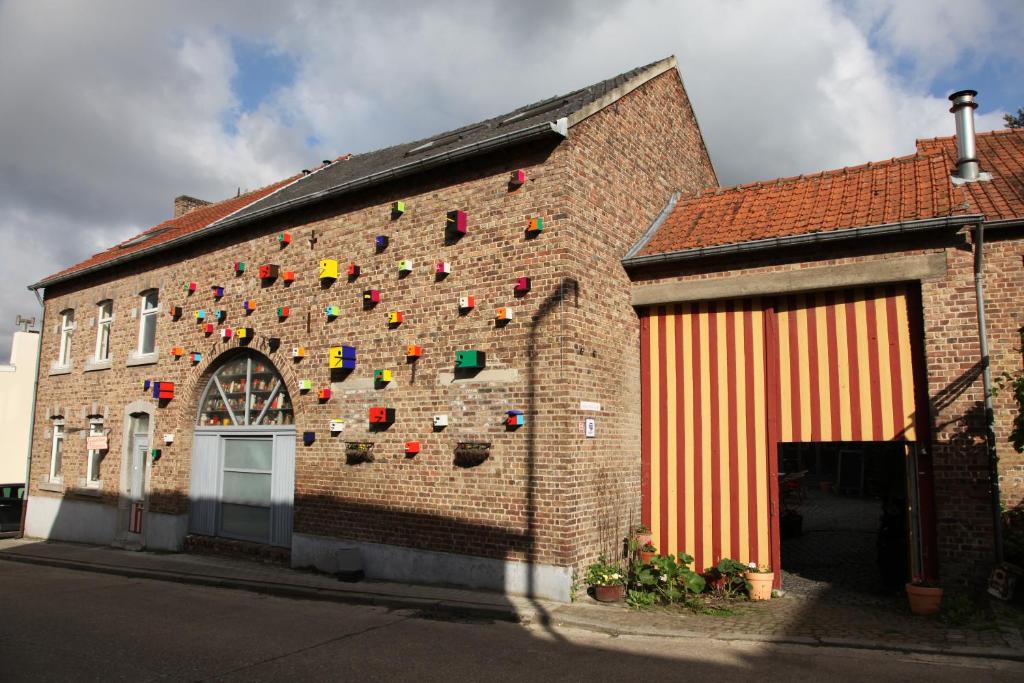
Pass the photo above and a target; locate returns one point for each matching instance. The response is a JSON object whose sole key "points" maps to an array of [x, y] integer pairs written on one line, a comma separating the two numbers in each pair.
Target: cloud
{"points": [[111, 110]]}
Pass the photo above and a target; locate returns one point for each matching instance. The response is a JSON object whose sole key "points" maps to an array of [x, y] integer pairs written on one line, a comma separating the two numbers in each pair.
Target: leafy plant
{"points": [[1015, 384], [728, 577], [639, 599], [604, 573], [669, 579], [649, 548]]}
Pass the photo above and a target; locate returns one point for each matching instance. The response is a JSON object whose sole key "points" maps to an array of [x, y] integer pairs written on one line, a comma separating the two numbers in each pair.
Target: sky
{"points": [[110, 109]]}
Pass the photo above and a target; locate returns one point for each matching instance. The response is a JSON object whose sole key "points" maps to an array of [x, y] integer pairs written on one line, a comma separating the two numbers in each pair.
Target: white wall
{"points": [[16, 383]]}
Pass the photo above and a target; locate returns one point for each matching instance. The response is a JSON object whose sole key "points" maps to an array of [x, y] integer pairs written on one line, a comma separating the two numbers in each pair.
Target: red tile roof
{"points": [[907, 188], [1001, 154], [170, 229]]}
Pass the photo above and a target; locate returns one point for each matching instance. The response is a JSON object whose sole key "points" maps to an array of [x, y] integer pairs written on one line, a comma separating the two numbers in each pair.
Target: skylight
{"points": [[446, 139], [144, 237]]}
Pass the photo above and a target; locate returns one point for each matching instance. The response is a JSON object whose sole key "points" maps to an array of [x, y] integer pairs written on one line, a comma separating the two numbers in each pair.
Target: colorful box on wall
{"points": [[503, 314], [341, 358], [284, 238], [398, 208], [163, 391], [305, 385], [308, 438], [299, 352], [456, 222], [396, 318], [412, 447], [249, 305], [200, 315], [522, 285], [444, 268], [288, 276], [382, 376], [283, 312], [352, 270], [324, 394], [535, 226], [209, 328], [515, 418], [467, 302], [175, 312], [518, 177], [413, 351], [380, 242], [190, 287], [337, 426], [371, 297], [218, 292], [440, 421], [405, 266], [177, 351], [470, 359], [244, 333], [328, 269], [197, 357], [239, 267], [332, 311], [226, 333], [382, 415], [221, 315], [269, 271]]}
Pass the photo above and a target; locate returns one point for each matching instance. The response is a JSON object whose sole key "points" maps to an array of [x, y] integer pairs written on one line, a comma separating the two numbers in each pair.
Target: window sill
{"points": [[142, 359], [60, 370], [55, 486], [89, 491], [93, 365]]}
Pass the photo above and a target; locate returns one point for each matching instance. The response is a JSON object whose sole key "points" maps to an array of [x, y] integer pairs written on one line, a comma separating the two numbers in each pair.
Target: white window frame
{"points": [[92, 464], [67, 329], [104, 322], [145, 313], [59, 438]]}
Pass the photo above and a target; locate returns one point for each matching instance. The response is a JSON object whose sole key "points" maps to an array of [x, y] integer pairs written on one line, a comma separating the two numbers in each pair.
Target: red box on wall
{"points": [[269, 271], [382, 415]]}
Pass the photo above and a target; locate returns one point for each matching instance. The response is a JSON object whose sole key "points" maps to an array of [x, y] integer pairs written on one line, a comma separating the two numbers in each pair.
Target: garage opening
{"points": [[846, 523]]}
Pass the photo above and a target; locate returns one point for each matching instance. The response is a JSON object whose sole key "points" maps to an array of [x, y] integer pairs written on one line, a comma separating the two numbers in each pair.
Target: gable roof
{"points": [[1001, 154], [162, 234], [553, 116], [896, 192]]}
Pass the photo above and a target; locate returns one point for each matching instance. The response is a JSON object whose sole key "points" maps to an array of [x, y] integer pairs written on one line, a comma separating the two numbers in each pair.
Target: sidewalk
{"points": [[804, 620]]}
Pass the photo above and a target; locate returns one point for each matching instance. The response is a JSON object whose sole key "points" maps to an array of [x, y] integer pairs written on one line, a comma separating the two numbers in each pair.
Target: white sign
{"points": [[96, 442], [590, 427], [590, 405]]}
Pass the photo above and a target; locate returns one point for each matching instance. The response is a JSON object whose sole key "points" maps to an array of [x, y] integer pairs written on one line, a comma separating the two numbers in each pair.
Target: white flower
{"points": [[753, 566]]}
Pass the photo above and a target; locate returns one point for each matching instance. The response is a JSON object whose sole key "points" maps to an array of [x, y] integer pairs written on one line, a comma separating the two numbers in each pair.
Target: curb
{"points": [[1007, 654], [429, 606]]}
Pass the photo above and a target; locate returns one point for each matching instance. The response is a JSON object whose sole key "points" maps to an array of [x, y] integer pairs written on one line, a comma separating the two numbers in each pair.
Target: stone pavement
{"points": [[802, 619]]}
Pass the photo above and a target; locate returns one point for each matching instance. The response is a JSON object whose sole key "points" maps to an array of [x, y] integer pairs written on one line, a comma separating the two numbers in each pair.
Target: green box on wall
{"points": [[470, 359]]}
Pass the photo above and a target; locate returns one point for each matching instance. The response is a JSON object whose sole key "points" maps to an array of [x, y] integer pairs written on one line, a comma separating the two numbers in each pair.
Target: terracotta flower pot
{"points": [[924, 601], [609, 593], [646, 557], [760, 584]]}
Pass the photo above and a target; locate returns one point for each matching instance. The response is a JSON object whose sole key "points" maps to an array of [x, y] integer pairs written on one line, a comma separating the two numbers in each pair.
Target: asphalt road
{"points": [[64, 625]]}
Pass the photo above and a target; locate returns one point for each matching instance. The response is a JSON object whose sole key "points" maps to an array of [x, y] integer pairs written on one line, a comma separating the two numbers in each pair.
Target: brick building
{"points": [[215, 381], [827, 325]]}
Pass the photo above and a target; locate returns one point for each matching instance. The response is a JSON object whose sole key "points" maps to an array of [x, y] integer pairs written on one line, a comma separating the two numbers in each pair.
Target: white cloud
{"points": [[111, 110]]}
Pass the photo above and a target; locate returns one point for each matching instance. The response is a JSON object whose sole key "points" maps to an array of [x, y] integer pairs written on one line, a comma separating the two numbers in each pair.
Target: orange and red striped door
{"points": [[723, 382]]}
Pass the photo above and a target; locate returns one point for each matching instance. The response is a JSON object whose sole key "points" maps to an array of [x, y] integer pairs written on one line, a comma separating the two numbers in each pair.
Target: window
{"points": [[245, 499], [104, 318], [92, 475], [245, 391], [67, 328], [56, 450], [147, 321]]}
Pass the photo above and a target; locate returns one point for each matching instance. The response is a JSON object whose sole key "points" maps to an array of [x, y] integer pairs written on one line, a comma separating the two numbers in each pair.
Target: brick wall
{"points": [[527, 500]]}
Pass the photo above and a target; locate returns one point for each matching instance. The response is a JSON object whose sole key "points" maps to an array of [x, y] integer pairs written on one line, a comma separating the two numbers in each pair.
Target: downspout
{"points": [[986, 381], [32, 419]]}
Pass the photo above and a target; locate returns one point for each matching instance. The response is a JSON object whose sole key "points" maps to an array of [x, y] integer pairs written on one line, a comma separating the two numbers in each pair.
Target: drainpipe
{"points": [[32, 420], [986, 381]]}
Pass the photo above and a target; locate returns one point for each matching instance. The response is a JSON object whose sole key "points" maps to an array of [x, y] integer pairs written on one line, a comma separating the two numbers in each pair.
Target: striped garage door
{"points": [[725, 381]]}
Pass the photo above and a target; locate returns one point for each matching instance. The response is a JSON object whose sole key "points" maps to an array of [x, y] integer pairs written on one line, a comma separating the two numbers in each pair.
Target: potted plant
{"points": [[924, 596], [759, 582], [647, 552], [608, 581], [642, 535]]}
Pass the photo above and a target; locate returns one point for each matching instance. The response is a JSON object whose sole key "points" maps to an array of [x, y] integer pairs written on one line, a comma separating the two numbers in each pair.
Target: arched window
{"points": [[245, 391]]}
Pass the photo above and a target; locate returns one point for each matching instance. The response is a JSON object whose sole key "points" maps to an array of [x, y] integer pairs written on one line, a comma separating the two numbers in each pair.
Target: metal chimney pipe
{"points": [[963, 113]]}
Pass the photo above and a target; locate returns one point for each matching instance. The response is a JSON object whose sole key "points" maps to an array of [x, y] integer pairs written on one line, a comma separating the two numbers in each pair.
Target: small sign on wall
{"points": [[96, 442], [590, 427]]}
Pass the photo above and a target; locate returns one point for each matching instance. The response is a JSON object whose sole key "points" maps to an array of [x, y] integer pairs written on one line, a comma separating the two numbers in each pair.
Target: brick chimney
{"points": [[185, 204]]}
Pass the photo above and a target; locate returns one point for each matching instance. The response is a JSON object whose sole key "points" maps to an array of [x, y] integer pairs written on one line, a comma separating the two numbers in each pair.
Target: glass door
{"points": [[245, 510]]}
